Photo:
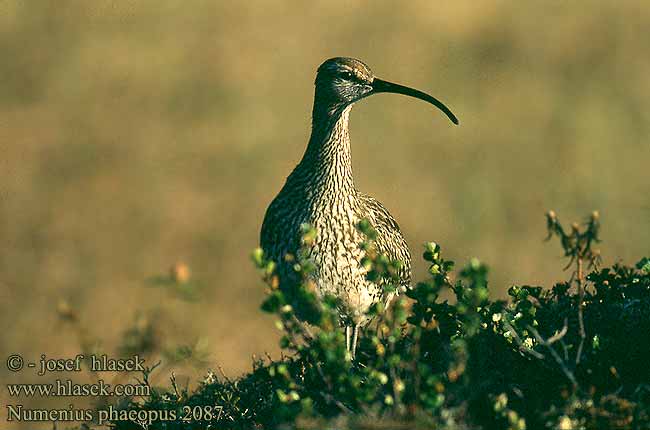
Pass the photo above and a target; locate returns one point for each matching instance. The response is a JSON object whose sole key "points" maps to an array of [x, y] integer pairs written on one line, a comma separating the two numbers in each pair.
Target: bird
{"points": [[320, 191]]}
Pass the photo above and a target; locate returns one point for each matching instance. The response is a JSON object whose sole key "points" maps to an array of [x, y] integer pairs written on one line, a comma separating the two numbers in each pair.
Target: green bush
{"points": [[572, 357]]}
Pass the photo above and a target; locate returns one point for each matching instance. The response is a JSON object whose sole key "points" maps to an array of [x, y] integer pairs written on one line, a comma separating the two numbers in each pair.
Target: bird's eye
{"points": [[347, 75]]}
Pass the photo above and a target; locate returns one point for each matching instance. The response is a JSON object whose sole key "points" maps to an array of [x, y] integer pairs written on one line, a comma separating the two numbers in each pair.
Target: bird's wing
{"points": [[389, 237]]}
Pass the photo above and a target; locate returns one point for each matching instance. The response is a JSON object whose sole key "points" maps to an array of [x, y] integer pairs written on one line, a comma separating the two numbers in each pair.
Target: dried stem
{"points": [[581, 296], [577, 246]]}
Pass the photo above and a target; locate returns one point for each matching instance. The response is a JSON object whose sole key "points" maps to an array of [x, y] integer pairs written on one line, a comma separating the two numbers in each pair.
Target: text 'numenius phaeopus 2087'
{"points": [[320, 191]]}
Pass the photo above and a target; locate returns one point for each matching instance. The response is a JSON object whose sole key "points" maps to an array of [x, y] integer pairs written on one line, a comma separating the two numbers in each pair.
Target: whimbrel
{"points": [[320, 191]]}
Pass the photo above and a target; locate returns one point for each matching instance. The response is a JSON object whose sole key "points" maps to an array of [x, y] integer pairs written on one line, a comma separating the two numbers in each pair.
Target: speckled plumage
{"points": [[320, 191]]}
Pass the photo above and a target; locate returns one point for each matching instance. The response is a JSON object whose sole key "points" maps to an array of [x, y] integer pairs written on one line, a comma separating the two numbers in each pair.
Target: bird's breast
{"points": [[334, 213]]}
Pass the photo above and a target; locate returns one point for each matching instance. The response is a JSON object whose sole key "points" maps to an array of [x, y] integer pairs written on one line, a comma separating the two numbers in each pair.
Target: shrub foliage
{"points": [[446, 355]]}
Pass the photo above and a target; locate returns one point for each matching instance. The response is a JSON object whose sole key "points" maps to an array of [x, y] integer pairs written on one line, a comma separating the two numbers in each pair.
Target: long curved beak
{"points": [[381, 86]]}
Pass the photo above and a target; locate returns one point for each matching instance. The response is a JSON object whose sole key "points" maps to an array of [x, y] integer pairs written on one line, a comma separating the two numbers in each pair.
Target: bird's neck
{"points": [[327, 157]]}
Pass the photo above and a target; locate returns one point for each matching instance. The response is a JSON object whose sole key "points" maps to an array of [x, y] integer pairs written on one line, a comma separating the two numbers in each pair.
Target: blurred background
{"points": [[135, 135]]}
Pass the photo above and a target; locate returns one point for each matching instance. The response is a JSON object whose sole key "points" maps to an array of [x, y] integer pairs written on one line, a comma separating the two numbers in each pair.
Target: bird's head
{"points": [[342, 81]]}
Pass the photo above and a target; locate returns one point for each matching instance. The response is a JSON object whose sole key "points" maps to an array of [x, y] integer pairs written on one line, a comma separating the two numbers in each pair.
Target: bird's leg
{"points": [[347, 337], [355, 335]]}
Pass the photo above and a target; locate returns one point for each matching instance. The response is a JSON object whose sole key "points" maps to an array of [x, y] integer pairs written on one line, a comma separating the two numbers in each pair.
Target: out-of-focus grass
{"points": [[135, 134]]}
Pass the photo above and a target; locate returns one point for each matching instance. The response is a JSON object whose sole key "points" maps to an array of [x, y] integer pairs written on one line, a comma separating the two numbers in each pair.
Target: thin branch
{"points": [[522, 347], [567, 372], [581, 322], [565, 350], [558, 336]]}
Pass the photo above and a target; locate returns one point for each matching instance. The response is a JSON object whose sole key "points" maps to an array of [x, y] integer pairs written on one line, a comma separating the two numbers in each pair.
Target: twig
{"points": [[223, 375], [558, 336], [175, 387], [568, 373], [578, 246], [522, 347], [565, 349], [581, 322], [304, 327]]}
